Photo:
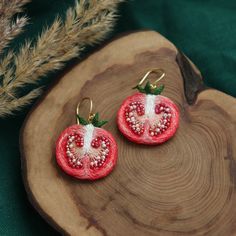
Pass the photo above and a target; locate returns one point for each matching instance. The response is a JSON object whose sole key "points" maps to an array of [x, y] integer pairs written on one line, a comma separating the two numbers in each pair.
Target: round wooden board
{"points": [[183, 187]]}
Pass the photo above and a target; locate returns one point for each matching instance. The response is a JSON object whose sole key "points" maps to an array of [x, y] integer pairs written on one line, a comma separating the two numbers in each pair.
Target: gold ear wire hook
{"points": [[91, 115], [155, 71]]}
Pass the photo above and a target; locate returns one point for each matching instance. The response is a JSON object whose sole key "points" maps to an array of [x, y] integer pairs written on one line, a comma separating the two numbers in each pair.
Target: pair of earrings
{"points": [[87, 151]]}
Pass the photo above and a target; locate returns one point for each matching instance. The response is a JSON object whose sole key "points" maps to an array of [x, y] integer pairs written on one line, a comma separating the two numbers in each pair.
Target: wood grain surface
{"points": [[186, 186]]}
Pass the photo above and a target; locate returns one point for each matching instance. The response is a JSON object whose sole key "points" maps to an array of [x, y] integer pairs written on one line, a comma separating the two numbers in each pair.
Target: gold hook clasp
{"points": [[91, 114], [157, 71]]}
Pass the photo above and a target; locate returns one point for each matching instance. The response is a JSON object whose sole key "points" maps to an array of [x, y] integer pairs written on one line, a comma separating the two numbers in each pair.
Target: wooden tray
{"points": [[183, 187]]}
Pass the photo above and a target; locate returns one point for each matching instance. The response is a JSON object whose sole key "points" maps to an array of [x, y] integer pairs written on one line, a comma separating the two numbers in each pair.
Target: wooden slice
{"points": [[186, 186]]}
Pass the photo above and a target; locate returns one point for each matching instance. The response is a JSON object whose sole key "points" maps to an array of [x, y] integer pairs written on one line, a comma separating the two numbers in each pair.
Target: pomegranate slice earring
{"points": [[148, 117], [84, 150]]}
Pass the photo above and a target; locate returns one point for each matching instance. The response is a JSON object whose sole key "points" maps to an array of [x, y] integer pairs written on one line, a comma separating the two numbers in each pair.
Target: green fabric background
{"points": [[203, 29]]}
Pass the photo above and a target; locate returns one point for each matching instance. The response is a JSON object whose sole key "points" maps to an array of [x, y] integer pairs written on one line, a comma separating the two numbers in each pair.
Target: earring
{"points": [[84, 150], [148, 117]]}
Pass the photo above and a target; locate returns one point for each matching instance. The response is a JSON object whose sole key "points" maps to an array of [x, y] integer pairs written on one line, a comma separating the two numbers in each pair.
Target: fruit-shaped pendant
{"points": [[148, 117], [86, 151]]}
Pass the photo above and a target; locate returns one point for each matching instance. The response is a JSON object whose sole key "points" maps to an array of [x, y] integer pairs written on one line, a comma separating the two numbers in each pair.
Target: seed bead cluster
{"points": [[131, 111], [164, 121], [74, 140], [104, 144]]}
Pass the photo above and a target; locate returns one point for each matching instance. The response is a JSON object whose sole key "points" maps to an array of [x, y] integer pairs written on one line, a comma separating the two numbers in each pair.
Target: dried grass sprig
{"points": [[9, 8], [16, 104], [9, 29], [87, 23]]}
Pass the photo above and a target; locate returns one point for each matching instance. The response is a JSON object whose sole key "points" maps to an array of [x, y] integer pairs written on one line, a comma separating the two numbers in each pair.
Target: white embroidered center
{"points": [[150, 105], [88, 137]]}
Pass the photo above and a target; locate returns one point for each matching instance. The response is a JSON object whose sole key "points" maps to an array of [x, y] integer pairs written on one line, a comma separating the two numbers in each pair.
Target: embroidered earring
{"points": [[148, 117], [84, 150]]}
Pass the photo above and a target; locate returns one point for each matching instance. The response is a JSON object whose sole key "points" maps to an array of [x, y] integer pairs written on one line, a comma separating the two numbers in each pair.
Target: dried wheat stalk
{"points": [[87, 23], [9, 29]]}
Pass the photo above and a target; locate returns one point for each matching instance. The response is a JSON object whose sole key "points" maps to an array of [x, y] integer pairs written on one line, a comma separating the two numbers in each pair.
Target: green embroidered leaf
{"points": [[95, 119], [136, 87], [82, 121], [149, 90], [158, 90], [140, 89], [101, 123]]}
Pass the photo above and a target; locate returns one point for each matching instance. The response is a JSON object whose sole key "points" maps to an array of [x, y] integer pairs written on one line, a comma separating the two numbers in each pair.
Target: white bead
{"points": [[152, 133]]}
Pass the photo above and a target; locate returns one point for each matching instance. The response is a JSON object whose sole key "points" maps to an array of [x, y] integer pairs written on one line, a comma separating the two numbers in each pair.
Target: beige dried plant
{"points": [[87, 23], [9, 29]]}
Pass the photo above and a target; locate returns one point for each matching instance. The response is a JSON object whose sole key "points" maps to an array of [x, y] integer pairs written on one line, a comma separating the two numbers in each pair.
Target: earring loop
{"points": [[159, 71], [91, 114]]}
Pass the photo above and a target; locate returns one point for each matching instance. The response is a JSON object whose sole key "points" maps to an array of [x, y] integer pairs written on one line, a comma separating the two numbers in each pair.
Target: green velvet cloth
{"points": [[205, 30]]}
